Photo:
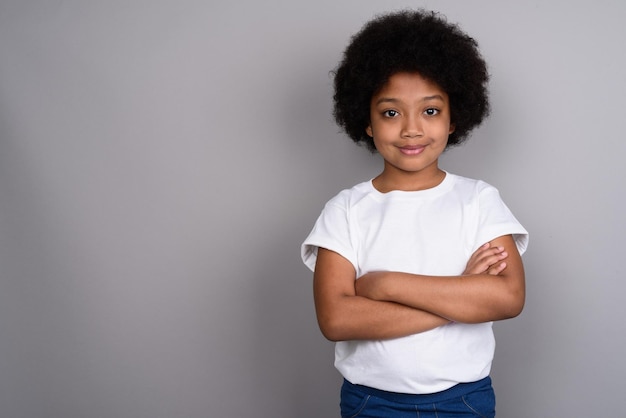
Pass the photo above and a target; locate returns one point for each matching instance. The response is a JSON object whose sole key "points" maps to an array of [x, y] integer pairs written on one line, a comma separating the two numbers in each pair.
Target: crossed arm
{"points": [[382, 305]]}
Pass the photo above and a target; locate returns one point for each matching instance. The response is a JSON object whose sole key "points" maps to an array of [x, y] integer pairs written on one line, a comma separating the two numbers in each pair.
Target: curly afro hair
{"points": [[411, 41]]}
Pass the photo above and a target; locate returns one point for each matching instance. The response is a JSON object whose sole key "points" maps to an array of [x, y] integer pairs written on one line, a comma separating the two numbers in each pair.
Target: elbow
{"points": [[334, 321], [513, 311], [331, 330], [332, 337], [335, 327], [514, 305], [513, 297]]}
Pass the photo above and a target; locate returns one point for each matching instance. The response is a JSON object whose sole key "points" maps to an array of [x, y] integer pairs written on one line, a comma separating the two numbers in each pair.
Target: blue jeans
{"points": [[474, 399]]}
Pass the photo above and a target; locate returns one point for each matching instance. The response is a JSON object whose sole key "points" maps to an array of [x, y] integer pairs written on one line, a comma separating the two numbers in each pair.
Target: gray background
{"points": [[161, 162]]}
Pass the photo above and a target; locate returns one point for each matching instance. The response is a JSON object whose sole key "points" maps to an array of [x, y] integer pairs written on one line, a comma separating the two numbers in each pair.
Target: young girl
{"points": [[411, 267]]}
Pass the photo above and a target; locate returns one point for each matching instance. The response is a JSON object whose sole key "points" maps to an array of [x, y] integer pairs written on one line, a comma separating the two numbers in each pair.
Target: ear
{"points": [[369, 132], [452, 127]]}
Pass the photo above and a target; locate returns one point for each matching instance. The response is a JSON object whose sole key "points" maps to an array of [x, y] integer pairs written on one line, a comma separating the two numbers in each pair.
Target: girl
{"points": [[411, 267]]}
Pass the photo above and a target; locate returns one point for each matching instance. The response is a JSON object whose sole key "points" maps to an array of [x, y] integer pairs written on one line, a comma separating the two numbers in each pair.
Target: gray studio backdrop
{"points": [[161, 161]]}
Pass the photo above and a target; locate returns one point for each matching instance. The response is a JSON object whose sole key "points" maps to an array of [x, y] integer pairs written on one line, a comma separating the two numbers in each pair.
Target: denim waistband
{"points": [[455, 391]]}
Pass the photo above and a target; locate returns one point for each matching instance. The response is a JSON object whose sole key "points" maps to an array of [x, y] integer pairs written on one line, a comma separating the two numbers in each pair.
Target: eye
{"points": [[431, 111], [390, 113]]}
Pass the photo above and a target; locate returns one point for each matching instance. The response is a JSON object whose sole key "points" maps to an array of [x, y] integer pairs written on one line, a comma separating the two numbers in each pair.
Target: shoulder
{"points": [[348, 198], [471, 187]]}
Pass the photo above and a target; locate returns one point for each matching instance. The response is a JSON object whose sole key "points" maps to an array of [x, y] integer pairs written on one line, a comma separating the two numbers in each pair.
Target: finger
{"points": [[492, 258], [487, 263], [496, 269], [484, 258], [480, 267], [487, 252], [481, 249]]}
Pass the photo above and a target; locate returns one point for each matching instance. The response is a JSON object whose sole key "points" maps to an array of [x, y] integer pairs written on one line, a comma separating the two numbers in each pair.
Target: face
{"points": [[410, 124]]}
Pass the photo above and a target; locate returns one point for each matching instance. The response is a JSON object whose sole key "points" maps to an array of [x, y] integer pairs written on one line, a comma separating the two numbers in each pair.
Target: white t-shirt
{"points": [[430, 232]]}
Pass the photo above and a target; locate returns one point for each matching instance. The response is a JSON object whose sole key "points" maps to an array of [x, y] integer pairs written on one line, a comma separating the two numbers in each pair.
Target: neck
{"points": [[392, 179]]}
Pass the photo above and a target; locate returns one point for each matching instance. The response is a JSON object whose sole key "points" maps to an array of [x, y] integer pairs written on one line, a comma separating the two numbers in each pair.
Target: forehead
{"points": [[405, 85]]}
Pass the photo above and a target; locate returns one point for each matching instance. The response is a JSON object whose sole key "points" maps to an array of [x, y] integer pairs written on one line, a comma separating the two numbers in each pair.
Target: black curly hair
{"points": [[411, 41]]}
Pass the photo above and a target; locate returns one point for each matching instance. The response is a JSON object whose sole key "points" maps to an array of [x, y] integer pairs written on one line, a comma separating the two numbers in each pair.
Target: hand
{"points": [[487, 259]]}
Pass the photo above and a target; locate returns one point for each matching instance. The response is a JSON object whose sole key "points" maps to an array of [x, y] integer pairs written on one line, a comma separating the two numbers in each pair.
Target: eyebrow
{"points": [[424, 99]]}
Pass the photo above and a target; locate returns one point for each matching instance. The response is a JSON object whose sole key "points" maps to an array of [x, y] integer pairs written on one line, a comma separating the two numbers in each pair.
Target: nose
{"points": [[412, 127]]}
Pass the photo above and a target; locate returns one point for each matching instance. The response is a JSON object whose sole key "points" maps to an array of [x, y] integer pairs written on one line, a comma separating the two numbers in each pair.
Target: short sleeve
{"points": [[331, 231], [495, 220]]}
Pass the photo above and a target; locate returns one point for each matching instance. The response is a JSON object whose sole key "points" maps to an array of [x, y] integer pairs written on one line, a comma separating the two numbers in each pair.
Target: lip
{"points": [[412, 149]]}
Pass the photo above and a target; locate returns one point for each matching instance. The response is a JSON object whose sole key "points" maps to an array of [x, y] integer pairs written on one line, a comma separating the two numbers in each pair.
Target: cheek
{"points": [[445, 130]]}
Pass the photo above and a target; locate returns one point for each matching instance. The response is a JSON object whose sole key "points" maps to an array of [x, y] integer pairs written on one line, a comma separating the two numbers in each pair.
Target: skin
{"points": [[410, 124]]}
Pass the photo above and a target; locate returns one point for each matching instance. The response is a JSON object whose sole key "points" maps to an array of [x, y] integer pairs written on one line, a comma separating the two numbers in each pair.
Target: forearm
{"points": [[342, 315], [358, 318], [468, 299], [496, 294]]}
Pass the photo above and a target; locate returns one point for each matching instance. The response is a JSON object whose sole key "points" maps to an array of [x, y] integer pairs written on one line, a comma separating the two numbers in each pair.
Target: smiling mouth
{"points": [[412, 150]]}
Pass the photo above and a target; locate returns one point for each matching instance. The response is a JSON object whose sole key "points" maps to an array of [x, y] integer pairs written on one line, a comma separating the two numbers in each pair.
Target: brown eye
{"points": [[390, 113], [431, 111]]}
